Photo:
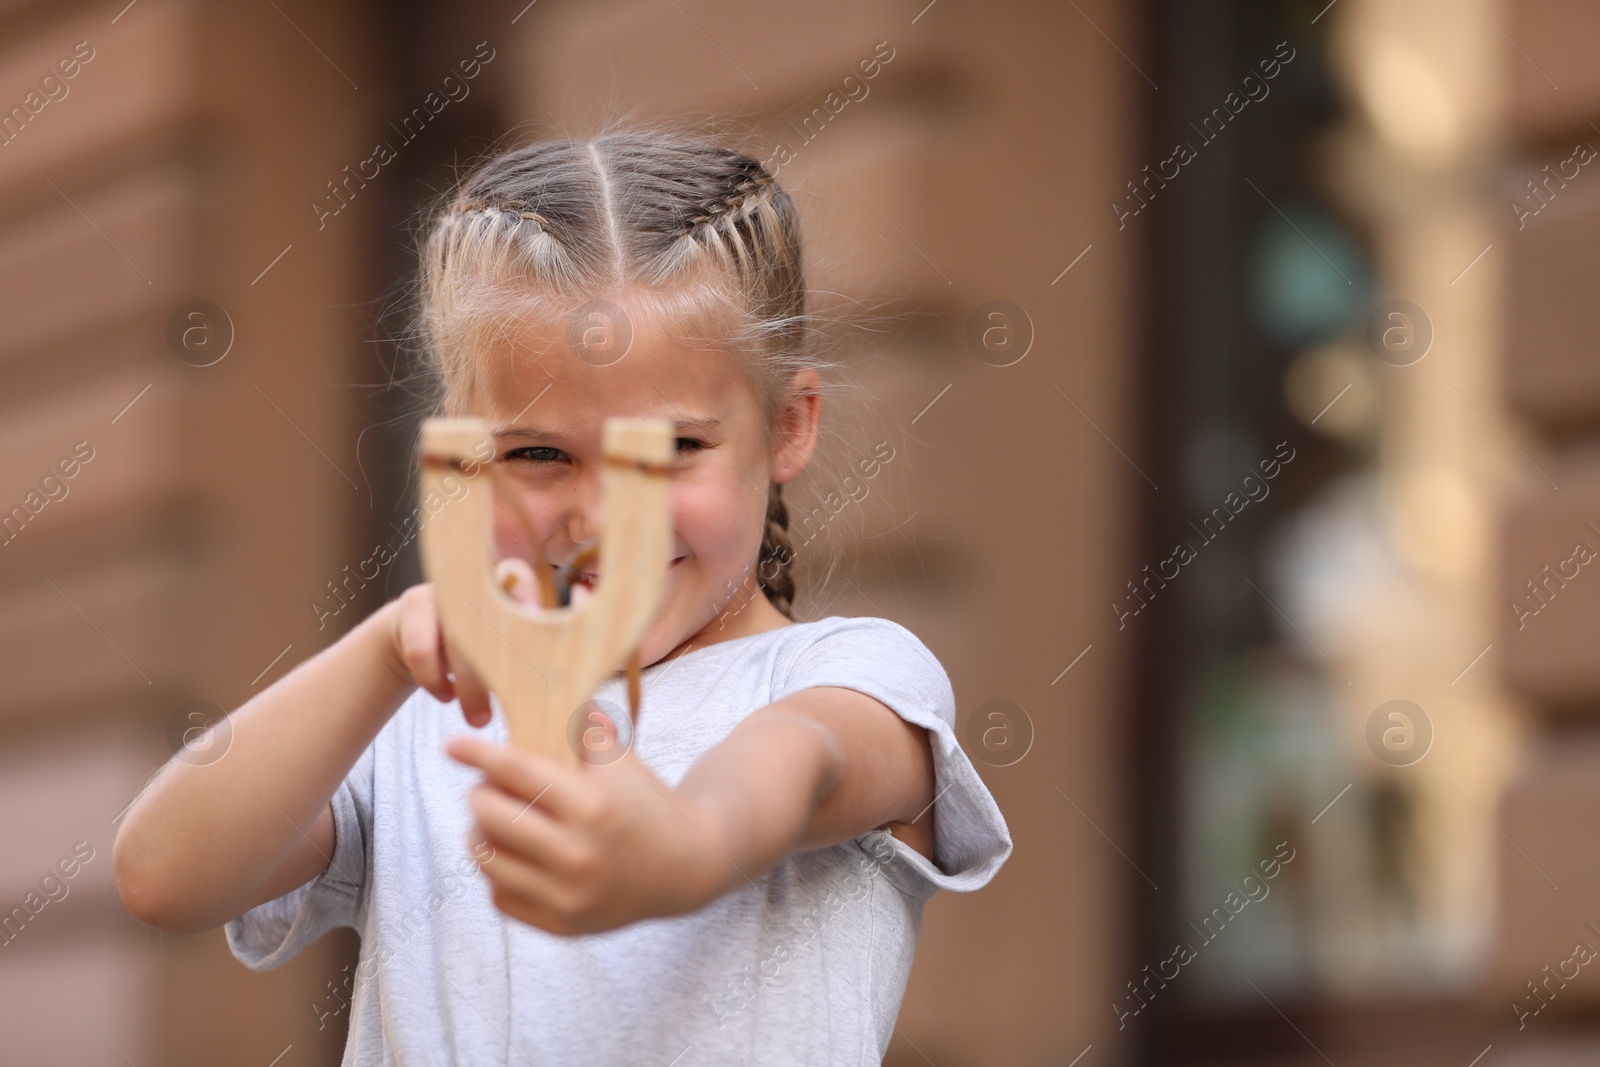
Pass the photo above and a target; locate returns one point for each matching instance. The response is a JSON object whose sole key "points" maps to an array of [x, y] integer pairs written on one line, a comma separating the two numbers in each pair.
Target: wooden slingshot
{"points": [[546, 667]]}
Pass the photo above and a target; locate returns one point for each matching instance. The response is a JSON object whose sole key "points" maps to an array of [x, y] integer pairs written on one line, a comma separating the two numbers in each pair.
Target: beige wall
{"points": [[1549, 876], [178, 565]]}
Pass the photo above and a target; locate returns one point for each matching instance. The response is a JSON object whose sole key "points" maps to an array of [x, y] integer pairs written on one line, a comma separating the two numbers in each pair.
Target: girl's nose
{"points": [[587, 516]]}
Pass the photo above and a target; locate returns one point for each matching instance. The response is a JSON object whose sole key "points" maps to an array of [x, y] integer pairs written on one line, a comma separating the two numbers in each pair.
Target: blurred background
{"points": [[1242, 390]]}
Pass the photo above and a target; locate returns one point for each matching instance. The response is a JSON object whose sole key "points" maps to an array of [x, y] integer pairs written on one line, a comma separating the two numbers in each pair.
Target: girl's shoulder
{"points": [[863, 635], [872, 655], [870, 629], [870, 625], [866, 653], [839, 639]]}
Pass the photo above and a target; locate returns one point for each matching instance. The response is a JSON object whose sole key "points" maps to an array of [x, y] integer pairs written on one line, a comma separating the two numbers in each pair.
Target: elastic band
{"points": [[657, 469], [434, 461]]}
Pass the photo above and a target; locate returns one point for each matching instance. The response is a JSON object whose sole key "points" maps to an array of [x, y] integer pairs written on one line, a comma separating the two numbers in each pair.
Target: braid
{"points": [[777, 554], [519, 208], [729, 221], [737, 203]]}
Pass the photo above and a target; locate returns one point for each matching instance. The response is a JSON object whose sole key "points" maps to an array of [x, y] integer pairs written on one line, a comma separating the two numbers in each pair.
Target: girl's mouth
{"points": [[589, 579]]}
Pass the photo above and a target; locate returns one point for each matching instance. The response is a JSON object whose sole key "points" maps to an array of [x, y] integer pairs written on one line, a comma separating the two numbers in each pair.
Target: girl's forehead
{"points": [[531, 377]]}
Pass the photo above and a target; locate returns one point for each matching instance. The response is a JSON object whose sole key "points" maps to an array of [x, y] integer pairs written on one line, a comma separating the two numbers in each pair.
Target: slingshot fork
{"points": [[545, 667]]}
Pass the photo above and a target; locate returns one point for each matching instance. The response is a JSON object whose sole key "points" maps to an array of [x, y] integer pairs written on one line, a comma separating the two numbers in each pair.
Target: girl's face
{"points": [[547, 407]]}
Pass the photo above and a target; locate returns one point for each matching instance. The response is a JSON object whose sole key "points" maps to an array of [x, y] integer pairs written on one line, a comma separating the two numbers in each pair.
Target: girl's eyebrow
{"points": [[522, 431], [679, 423], [696, 424]]}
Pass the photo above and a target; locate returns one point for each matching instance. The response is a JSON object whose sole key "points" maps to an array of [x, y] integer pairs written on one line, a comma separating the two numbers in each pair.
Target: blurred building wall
{"points": [[186, 482], [1548, 201]]}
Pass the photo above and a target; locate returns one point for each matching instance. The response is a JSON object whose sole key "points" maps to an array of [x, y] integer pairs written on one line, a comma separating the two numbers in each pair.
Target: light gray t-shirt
{"points": [[806, 966]]}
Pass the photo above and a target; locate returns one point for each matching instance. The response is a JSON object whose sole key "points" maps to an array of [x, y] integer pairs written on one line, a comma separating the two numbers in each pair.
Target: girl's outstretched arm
{"points": [[876, 770], [585, 849], [204, 843]]}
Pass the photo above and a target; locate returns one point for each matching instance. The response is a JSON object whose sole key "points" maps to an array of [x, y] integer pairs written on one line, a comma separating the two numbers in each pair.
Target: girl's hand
{"points": [[583, 849], [420, 653]]}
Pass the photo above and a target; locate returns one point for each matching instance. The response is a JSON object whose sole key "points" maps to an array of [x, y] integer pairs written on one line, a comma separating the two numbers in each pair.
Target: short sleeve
{"points": [[887, 662], [272, 933]]}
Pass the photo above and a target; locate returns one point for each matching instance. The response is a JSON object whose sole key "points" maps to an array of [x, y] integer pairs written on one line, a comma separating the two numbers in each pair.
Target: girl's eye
{"points": [[544, 454], [534, 454]]}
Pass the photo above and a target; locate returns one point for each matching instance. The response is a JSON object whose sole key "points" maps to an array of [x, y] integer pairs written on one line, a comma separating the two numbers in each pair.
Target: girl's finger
{"points": [[519, 829], [420, 648], [532, 887], [562, 791], [470, 689], [529, 910], [519, 888]]}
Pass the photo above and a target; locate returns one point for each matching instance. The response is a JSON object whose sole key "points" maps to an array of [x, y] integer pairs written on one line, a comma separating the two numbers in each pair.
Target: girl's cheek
{"points": [[508, 536], [695, 513], [717, 531]]}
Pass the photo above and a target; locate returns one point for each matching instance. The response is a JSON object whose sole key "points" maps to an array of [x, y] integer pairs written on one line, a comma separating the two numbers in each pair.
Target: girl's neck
{"points": [[738, 619]]}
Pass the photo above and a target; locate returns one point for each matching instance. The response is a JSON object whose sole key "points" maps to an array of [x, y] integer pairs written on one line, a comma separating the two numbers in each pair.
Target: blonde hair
{"points": [[694, 231]]}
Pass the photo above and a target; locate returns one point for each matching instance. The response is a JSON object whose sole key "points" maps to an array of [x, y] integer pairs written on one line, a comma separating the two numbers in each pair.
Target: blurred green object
{"points": [[1306, 277]]}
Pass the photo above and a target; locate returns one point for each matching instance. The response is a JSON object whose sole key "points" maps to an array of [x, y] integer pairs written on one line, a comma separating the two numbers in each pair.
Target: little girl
{"points": [[744, 883]]}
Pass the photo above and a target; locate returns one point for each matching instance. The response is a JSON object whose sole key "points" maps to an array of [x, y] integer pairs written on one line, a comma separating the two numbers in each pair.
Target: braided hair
{"points": [[777, 554]]}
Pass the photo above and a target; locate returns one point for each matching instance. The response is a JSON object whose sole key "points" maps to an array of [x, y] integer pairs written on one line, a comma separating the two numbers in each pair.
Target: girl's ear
{"points": [[795, 434]]}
